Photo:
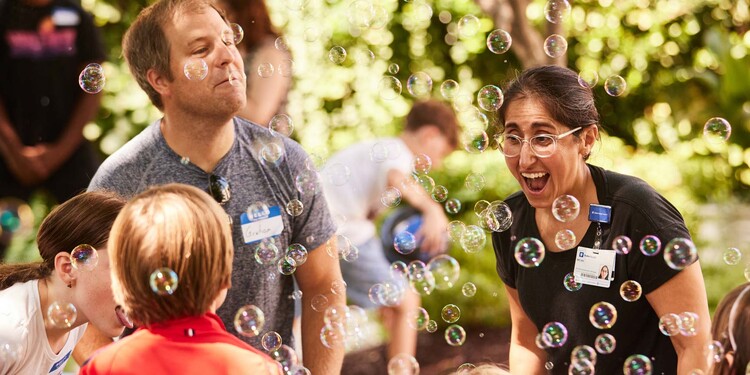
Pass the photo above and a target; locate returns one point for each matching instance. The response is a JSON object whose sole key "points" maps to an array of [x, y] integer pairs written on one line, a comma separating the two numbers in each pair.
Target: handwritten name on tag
{"points": [[258, 228]]}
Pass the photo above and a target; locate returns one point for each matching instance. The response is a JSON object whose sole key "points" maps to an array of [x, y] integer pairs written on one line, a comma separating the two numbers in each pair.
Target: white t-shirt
{"points": [[354, 180], [22, 332]]}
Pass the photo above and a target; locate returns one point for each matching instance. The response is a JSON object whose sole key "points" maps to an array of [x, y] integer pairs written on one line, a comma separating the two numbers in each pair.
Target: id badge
{"points": [[594, 267], [255, 229]]}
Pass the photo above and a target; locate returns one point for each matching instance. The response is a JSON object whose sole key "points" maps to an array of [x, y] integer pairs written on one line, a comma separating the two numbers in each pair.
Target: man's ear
{"points": [[158, 81], [64, 268]]}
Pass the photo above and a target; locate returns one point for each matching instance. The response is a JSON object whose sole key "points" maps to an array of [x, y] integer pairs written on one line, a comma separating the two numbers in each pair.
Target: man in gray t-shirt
{"points": [[253, 173]]}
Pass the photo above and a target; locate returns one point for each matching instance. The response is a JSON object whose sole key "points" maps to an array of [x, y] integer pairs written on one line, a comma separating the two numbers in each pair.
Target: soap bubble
{"points": [[361, 14], [588, 78], [637, 364], [717, 130], [393, 69], [281, 44], [465, 368], [432, 326], [475, 140], [404, 243], [265, 70], [84, 257], [271, 154], [469, 289], [337, 55], [439, 194], [445, 269], [650, 245], [449, 89], [421, 279], [61, 315], [419, 84], [418, 319], [565, 239], [266, 252], [286, 265], [281, 124], [249, 320], [499, 41], [566, 208], [389, 87], [92, 78], [554, 334], [450, 313], [529, 252], [336, 315], [163, 281], [603, 315], [622, 245], [581, 367], [497, 217], [295, 207], [605, 343], [422, 164], [332, 336], [452, 206], [555, 46], [714, 352], [473, 239], [474, 182], [319, 303], [403, 364], [306, 182], [338, 246], [630, 290], [570, 283], [297, 252], [399, 271], [680, 253], [271, 341], [555, 11], [455, 230], [468, 26], [455, 335], [195, 69], [490, 98], [687, 323], [615, 85], [583, 353], [286, 357], [669, 324], [237, 33], [391, 197], [732, 256]]}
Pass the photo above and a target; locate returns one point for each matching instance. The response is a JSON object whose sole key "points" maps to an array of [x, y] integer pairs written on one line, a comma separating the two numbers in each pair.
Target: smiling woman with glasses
{"points": [[550, 125]]}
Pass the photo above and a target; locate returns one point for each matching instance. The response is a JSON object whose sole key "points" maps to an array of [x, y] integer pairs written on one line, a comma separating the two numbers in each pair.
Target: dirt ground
{"points": [[435, 356]]}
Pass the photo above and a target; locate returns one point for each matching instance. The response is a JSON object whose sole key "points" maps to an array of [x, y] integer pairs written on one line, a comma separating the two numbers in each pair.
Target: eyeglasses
{"points": [[218, 187], [542, 145], [737, 305]]}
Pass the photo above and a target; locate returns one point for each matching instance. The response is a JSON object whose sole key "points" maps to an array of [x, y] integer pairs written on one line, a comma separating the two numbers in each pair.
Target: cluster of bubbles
{"points": [[343, 327], [684, 323], [341, 248]]}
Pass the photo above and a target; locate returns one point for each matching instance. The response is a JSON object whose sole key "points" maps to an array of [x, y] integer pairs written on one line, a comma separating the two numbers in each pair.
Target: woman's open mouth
{"points": [[536, 181]]}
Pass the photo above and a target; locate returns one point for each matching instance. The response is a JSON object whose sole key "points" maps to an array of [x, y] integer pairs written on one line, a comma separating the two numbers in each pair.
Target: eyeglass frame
{"points": [[553, 137]]}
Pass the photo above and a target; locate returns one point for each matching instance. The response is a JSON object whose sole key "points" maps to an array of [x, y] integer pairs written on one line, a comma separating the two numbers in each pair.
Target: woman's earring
{"points": [[70, 285]]}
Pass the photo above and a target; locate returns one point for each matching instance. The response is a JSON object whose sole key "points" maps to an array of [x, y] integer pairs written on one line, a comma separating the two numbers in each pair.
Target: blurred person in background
{"points": [[731, 328]]}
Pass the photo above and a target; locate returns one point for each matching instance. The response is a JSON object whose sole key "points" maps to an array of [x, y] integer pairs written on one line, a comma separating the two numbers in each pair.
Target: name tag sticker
{"points": [[599, 213], [257, 228], [594, 267]]}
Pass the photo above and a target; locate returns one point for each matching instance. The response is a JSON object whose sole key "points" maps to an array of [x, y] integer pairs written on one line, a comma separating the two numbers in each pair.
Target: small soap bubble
{"points": [[265, 70], [480, 207], [588, 78], [272, 154], [449, 89], [637, 364], [565, 239], [338, 246], [450, 313], [529, 252], [281, 44], [306, 182], [404, 243], [566, 208], [455, 335], [680, 253], [422, 164], [475, 140], [650, 245], [379, 152], [391, 197], [669, 324], [185, 160], [583, 353], [554, 334], [687, 323], [717, 130], [499, 41], [549, 365], [440, 193], [473, 239], [581, 367], [389, 87], [319, 303], [92, 78], [271, 341], [456, 230], [286, 68], [490, 98], [605, 343], [297, 295], [361, 14], [286, 265], [732, 256], [163, 281], [403, 364], [393, 69], [570, 283], [295, 207], [418, 319], [603, 315], [335, 315], [286, 358], [630, 290], [465, 368], [615, 85], [84, 257], [249, 320], [281, 124], [445, 269], [266, 252], [237, 33], [419, 85], [338, 287], [622, 245], [714, 352], [432, 326], [61, 315], [474, 182], [497, 217], [195, 69], [452, 206], [468, 26], [555, 46], [332, 336], [555, 11], [337, 55], [469, 289]]}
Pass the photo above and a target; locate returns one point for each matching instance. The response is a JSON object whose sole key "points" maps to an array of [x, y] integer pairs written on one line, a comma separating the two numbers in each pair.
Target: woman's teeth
{"points": [[533, 175]]}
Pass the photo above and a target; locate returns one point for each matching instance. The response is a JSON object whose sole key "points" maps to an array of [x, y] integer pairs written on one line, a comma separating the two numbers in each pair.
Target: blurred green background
{"points": [[684, 62]]}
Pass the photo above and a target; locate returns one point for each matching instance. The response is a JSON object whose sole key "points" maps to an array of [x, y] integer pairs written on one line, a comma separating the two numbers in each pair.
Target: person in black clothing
{"points": [[44, 45], [550, 124]]}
